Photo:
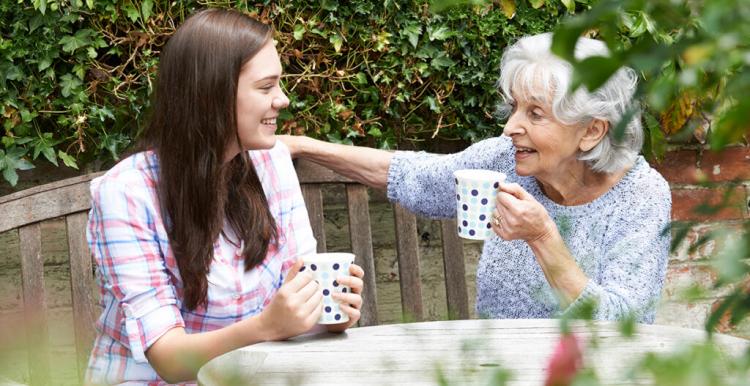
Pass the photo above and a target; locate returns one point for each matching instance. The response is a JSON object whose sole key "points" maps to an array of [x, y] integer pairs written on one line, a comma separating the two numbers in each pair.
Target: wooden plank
{"points": [[309, 172], [50, 187], [314, 203], [407, 249], [360, 235], [34, 303], [81, 284], [455, 271], [44, 202]]}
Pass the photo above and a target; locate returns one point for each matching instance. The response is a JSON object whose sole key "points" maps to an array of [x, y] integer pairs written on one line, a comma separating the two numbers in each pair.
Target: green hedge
{"points": [[77, 75]]}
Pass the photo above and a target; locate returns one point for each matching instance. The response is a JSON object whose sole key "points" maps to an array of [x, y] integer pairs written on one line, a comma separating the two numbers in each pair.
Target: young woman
{"points": [[197, 239]]}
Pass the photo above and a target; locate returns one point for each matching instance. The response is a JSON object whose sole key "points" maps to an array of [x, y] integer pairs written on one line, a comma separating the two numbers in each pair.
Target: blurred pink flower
{"points": [[565, 361]]}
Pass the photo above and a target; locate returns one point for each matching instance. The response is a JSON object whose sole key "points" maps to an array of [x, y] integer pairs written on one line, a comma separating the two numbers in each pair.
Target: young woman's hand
{"points": [[295, 308], [350, 302]]}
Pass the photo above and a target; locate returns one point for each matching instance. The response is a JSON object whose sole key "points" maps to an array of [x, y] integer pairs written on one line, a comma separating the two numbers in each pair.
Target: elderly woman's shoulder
{"points": [[646, 179]]}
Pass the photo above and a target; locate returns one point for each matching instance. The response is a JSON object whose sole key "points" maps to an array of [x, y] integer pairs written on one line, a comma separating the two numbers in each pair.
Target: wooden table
{"points": [[464, 352]]}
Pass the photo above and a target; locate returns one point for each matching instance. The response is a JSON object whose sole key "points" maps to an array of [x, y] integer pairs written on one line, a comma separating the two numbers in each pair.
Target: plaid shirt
{"points": [[140, 284]]}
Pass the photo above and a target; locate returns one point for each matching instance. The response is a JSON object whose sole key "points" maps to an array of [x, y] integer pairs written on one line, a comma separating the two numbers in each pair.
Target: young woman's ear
{"points": [[596, 130]]}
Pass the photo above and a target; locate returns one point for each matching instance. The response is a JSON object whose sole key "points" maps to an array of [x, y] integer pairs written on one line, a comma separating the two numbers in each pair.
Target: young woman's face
{"points": [[259, 99]]}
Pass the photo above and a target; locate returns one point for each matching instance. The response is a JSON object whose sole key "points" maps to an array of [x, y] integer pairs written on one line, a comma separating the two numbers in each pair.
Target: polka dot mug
{"points": [[325, 268], [475, 201]]}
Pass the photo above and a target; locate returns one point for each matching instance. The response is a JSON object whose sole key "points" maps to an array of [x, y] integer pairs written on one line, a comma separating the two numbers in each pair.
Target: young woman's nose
{"points": [[280, 101]]}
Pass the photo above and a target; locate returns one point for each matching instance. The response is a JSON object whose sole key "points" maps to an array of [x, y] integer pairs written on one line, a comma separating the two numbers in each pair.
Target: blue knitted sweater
{"points": [[620, 240]]}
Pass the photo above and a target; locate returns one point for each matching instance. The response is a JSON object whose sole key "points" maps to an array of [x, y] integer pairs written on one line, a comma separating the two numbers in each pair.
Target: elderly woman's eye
{"points": [[536, 114]]}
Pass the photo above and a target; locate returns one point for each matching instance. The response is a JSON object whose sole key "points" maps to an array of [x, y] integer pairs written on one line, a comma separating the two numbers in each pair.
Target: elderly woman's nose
{"points": [[512, 127]]}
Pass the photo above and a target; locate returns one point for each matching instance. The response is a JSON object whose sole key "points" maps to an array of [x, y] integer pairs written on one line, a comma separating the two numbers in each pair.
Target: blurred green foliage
{"points": [[692, 54]]}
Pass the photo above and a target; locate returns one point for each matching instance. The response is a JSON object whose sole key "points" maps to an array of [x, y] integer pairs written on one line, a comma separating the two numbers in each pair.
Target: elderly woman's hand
{"points": [[519, 216]]}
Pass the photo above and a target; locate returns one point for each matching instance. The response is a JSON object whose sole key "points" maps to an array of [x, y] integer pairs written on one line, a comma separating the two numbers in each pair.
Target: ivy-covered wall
{"points": [[77, 75]]}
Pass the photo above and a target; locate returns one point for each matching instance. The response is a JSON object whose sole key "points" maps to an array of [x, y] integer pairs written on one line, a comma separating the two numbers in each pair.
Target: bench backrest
{"points": [[70, 199]]}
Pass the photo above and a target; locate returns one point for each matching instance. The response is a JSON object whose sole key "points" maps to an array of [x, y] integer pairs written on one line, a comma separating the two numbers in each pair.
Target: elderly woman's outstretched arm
{"points": [[363, 164], [421, 182]]}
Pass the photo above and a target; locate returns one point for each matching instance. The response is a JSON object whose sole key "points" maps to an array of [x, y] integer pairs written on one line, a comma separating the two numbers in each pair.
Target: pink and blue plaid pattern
{"points": [[140, 283]]}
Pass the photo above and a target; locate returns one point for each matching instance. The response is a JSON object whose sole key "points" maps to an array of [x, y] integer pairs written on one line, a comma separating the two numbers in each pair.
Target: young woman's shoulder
{"points": [[277, 157], [136, 172]]}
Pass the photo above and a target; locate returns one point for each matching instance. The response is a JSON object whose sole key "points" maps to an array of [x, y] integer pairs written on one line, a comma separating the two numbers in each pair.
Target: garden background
{"points": [[76, 78]]}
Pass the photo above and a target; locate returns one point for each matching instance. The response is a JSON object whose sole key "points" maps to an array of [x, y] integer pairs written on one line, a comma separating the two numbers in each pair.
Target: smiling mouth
{"points": [[268, 121], [524, 150]]}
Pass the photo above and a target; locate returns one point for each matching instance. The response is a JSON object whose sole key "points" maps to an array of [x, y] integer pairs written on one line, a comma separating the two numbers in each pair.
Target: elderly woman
{"points": [[582, 219]]}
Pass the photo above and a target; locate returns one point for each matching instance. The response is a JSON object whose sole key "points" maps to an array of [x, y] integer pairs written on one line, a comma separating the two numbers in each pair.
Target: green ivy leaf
{"points": [[41, 5], [131, 12], [67, 159], [570, 5], [509, 8], [35, 22], [69, 84], [299, 32], [375, 132], [412, 32], [49, 154], [330, 5], [536, 4], [70, 43], [337, 41], [44, 63], [439, 33], [433, 104], [11, 161], [442, 61], [10, 175], [147, 7], [27, 116]]}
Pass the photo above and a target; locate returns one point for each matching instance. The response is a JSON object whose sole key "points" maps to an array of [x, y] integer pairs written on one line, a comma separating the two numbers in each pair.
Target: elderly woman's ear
{"points": [[595, 131]]}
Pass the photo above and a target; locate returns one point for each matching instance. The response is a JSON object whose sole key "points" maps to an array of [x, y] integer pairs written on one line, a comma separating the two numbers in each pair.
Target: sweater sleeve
{"points": [[424, 184], [635, 260]]}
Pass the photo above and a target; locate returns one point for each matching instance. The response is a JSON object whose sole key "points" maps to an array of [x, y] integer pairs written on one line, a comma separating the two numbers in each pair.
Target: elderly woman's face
{"points": [[545, 147]]}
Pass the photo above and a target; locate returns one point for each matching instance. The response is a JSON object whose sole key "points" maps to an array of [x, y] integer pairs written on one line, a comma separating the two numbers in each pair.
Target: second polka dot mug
{"points": [[475, 201], [325, 268]]}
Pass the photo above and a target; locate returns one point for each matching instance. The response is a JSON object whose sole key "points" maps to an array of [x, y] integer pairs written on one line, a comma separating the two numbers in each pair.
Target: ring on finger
{"points": [[496, 220]]}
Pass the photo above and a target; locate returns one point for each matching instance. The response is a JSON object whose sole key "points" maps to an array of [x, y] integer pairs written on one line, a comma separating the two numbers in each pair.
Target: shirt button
{"points": [[236, 296]]}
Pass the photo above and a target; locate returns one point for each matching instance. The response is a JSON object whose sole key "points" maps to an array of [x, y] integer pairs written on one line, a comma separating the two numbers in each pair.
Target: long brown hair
{"points": [[193, 121]]}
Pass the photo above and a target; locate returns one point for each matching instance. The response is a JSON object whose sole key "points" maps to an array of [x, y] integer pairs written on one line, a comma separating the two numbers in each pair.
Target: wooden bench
{"points": [[70, 199]]}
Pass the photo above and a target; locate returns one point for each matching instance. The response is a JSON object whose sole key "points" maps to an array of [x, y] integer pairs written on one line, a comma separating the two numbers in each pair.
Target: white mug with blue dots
{"points": [[325, 268], [475, 200]]}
